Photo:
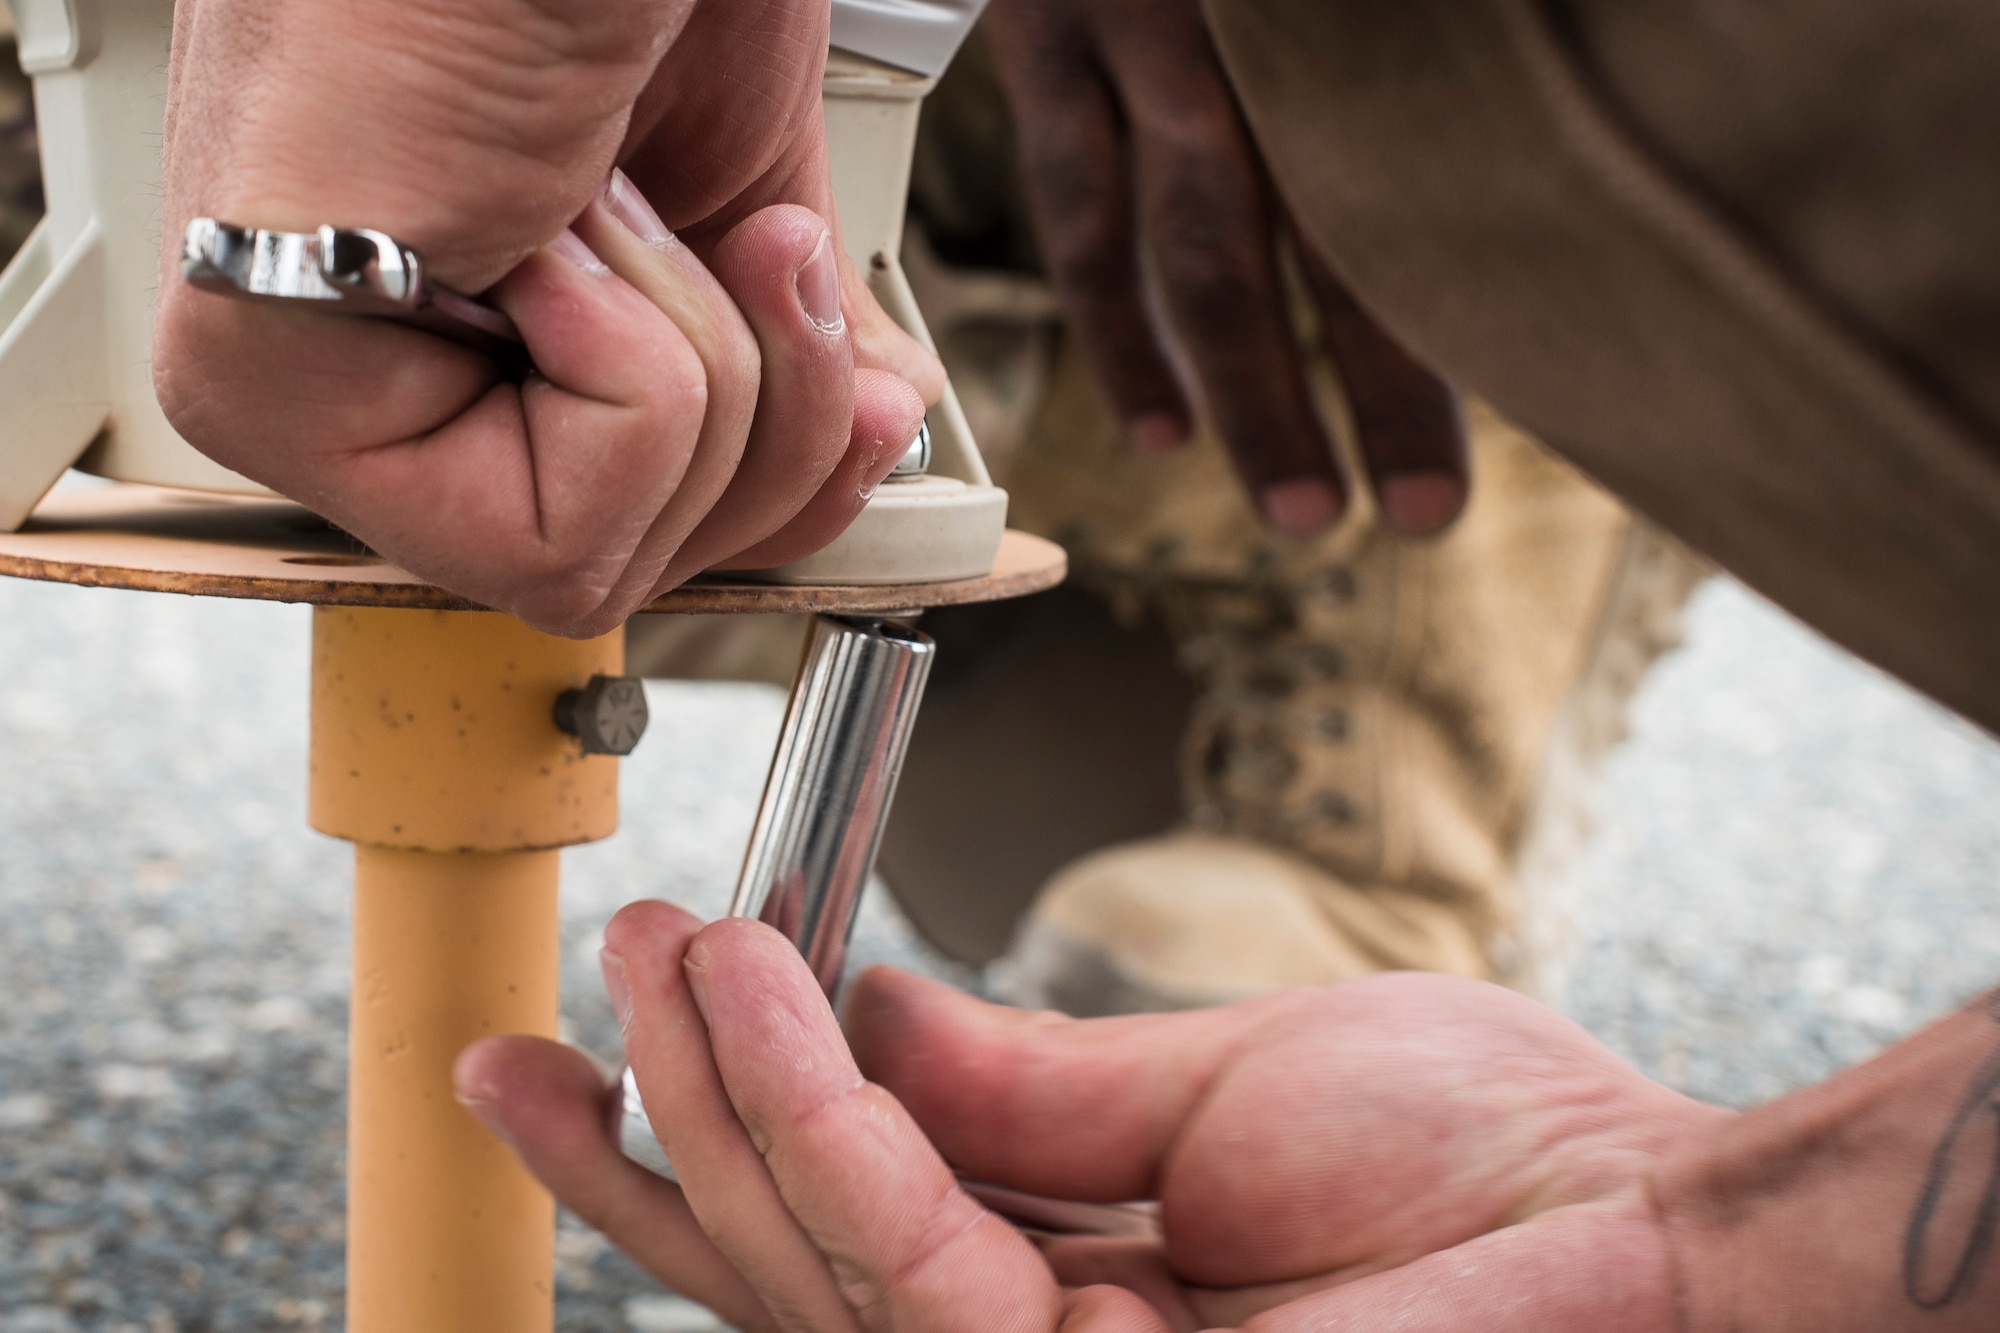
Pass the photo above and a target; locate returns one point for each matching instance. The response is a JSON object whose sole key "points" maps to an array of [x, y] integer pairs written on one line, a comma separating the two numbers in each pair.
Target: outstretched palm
{"points": [[1402, 1138], [1402, 1152]]}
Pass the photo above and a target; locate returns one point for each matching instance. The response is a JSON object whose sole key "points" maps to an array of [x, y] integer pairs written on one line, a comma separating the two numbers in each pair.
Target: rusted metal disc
{"points": [[156, 539]]}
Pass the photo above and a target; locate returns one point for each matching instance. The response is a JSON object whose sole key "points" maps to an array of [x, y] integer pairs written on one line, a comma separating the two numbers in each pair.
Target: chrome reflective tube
{"points": [[827, 798], [826, 801]]}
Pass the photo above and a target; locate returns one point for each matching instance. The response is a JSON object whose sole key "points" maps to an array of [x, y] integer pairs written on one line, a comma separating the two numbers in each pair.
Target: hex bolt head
{"points": [[608, 715]]}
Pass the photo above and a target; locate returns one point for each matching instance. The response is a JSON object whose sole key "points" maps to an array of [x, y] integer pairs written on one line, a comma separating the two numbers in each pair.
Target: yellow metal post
{"points": [[435, 751]]}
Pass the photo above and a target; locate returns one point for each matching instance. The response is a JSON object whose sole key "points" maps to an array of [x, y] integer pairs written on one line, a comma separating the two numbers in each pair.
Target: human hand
{"points": [[715, 386], [1138, 158], [1425, 1150]]}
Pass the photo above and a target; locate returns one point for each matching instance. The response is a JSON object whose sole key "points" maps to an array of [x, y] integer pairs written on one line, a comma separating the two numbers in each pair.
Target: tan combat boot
{"points": [[1383, 745]]}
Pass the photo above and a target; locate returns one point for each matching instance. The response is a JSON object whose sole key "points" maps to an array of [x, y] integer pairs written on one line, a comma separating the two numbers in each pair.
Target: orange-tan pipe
{"points": [[445, 1231], [435, 751]]}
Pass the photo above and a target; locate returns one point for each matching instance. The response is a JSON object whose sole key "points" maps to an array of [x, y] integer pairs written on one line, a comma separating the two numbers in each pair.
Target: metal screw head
{"points": [[608, 715], [917, 460]]}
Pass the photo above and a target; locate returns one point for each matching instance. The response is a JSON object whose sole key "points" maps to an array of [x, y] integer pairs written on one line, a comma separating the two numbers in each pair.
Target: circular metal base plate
{"points": [[156, 539]]}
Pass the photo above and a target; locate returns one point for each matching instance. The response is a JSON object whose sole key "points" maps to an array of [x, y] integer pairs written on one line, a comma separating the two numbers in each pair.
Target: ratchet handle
{"points": [[344, 271]]}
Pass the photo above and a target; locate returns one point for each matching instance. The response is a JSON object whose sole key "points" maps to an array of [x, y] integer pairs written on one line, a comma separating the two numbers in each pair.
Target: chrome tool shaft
{"points": [[826, 800]]}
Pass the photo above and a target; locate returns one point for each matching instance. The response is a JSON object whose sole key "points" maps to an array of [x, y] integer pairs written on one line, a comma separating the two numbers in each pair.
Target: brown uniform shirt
{"points": [[1740, 262]]}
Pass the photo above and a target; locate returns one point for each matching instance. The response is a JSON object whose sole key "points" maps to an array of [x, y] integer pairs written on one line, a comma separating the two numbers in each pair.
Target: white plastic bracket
{"points": [[947, 525], [52, 374], [54, 34], [76, 303]]}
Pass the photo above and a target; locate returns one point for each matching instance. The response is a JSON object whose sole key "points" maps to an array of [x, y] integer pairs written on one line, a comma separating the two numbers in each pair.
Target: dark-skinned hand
{"points": [[1159, 232]]}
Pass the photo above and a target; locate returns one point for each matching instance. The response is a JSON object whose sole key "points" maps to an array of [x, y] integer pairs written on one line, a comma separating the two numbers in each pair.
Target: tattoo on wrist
{"points": [[1950, 1237]]}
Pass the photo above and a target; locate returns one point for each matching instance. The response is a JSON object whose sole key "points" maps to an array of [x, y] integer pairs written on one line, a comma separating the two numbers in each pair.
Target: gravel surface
{"points": [[1796, 864]]}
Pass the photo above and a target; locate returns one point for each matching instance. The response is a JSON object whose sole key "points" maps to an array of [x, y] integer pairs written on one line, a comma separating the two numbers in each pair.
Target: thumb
{"points": [[880, 343], [1068, 1108]]}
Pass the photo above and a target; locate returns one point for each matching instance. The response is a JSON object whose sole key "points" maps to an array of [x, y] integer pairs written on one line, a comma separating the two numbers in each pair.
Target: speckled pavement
{"points": [[1797, 862]]}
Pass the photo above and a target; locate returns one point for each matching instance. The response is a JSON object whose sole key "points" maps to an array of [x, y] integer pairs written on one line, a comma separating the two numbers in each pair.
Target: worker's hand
{"points": [[715, 386], [1416, 1152], [1139, 166]]}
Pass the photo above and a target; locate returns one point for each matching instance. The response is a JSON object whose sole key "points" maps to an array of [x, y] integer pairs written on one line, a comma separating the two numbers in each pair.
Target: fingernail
{"points": [[479, 1100], [1300, 506], [1421, 503], [696, 971], [626, 204], [819, 287], [571, 247], [885, 461], [616, 986], [1156, 432], [487, 1116]]}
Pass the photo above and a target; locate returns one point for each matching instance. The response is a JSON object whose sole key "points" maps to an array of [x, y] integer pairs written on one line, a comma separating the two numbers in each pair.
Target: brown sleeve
{"points": [[1717, 263]]}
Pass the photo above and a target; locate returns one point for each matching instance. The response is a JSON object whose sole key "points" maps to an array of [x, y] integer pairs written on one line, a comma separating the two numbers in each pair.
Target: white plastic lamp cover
{"points": [[920, 35]]}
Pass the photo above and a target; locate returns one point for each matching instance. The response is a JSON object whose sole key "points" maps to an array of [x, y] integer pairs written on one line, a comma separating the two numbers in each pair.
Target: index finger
{"points": [[908, 1248], [1210, 233], [1406, 420], [721, 1172], [1074, 157]]}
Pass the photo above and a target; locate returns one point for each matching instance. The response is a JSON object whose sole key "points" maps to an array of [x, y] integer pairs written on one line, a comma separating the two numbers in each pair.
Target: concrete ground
{"points": [[1797, 862]]}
